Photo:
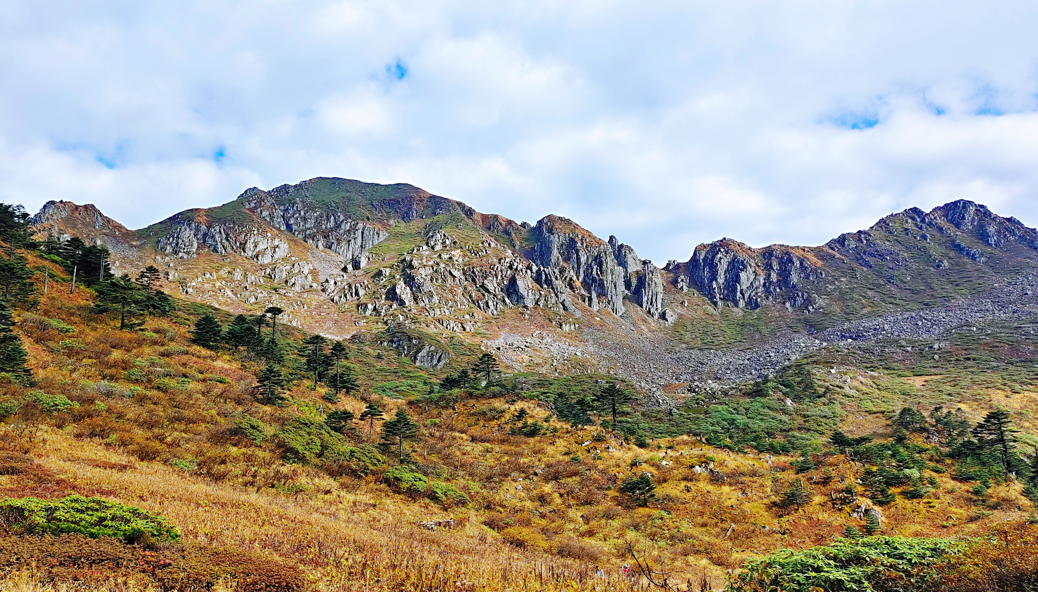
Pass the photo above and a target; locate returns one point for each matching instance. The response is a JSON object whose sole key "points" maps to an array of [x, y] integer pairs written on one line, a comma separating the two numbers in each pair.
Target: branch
{"points": [[646, 571]]}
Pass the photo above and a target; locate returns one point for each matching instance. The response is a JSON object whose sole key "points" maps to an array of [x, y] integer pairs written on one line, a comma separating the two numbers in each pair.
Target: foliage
{"points": [[249, 427], [121, 295], [612, 399], [340, 421], [271, 383], [90, 516], [13, 358], [398, 429], [447, 494], [404, 480], [872, 564], [309, 441], [486, 367], [371, 413], [795, 495], [208, 331], [640, 490], [51, 403]]}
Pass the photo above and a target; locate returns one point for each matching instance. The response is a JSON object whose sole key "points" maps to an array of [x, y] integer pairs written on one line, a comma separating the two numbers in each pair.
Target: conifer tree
{"points": [[872, 524], [208, 331], [121, 295], [13, 358], [340, 421], [996, 434], [486, 366], [795, 495], [612, 399], [398, 429], [14, 279], [274, 313], [371, 413], [344, 381], [271, 383], [317, 360], [240, 333]]}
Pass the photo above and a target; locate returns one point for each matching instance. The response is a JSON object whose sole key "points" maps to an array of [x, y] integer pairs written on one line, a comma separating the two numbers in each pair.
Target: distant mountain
{"points": [[343, 257]]}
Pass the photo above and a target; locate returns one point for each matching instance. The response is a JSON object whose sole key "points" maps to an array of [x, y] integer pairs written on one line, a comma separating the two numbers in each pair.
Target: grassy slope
{"points": [[151, 429]]}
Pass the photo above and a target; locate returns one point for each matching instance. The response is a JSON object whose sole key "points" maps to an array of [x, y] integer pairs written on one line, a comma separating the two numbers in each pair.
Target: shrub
{"points": [[639, 490], [404, 480], [51, 403], [1006, 560], [447, 494], [309, 441], [7, 409], [90, 516], [249, 427], [873, 564]]}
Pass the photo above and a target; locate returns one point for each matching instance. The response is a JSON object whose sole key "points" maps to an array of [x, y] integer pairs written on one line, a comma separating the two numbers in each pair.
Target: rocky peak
{"points": [[58, 215], [728, 271]]}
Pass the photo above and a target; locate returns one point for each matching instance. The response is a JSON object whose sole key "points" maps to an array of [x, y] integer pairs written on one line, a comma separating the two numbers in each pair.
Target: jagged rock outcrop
{"points": [[186, 236], [420, 351], [600, 273], [727, 271]]}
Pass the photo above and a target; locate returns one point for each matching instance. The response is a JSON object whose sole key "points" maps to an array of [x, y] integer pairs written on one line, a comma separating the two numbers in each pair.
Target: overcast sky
{"points": [[665, 123]]}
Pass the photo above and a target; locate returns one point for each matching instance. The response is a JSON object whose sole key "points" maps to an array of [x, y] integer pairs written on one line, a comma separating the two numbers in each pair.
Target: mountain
{"points": [[344, 257]]}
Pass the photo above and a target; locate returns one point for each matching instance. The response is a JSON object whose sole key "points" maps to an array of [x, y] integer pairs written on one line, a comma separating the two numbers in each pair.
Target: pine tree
{"points": [[15, 276], [486, 366], [274, 313], [371, 413], [398, 429], [240, 333], [121, 295], [795, 495], [996, 433], [640, 490], [910, 420], [272, 352], [147, 278], [317, 360], [612, 398], [13, 358], [271, 383], [340, 421], [344, 381], [872, 523], [15, 227], [208, 331], [852, 532]]}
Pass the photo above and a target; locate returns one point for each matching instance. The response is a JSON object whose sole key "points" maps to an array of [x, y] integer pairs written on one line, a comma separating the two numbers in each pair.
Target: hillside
{"points": [[523, 481]]}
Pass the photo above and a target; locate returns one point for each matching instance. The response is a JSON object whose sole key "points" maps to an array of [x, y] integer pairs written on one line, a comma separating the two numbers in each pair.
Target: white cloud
{"points": [[666, 124]]}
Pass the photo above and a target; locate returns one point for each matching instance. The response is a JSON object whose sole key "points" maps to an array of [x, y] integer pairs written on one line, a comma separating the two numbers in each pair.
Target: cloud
{"points": [[667, 124]]}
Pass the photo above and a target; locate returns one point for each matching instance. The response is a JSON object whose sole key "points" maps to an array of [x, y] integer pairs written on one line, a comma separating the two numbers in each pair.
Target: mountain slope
{"points": [[342, 256]]}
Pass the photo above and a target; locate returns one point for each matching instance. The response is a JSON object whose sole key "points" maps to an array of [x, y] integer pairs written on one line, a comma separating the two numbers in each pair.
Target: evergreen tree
{"points": [[271, 384], [317, 360], [272, 352], [996, 434], [852, 532], [640, 490], [121, 295], [240, 333], [340, 421], [147, 278], [796, 495], [14, 279], [15, 227], [612, 399], [486, 366], [371, 413], [344, 380], [274, 313], [872, 523], [208, 331], [910, 420], [261, 321], [398, 429], [13, 358]]}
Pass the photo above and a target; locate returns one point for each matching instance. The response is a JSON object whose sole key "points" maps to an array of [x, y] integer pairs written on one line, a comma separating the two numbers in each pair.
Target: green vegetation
{"points": [[90, 516], [873, 564]]}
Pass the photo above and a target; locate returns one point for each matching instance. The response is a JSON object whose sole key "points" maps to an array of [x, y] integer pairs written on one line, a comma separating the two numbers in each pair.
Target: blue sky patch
{"points": [[397, 70], [856, 121], [219, 154]]}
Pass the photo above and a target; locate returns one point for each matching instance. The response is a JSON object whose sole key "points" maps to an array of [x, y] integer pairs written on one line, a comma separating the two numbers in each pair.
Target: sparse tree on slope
{"points": [[996, 433], [13, 359], [371, 413], [271, 383], [317, 360], [486, 366], [612, 399], [208, 331], [398, 429], [121, 295], [274, 313]]}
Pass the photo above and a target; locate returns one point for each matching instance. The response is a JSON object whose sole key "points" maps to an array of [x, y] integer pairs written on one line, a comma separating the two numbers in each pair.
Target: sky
{"points": [[667, 124]]}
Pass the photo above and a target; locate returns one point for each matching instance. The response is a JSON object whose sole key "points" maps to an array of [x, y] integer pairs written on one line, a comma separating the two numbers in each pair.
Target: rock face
{"points": [[728, 271], [600, 273]]}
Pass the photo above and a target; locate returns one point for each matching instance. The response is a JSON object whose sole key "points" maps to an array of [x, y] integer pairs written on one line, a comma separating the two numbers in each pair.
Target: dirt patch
{"points": [[921, 381]]}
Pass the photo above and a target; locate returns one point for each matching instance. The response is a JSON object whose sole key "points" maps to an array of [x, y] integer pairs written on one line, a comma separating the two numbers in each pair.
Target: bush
{"points": [[309, 441], [447, 494], [639, 490], [874, 564], [404, 480], [7, 409], [90, 516], [250, 427], [51, 403]]}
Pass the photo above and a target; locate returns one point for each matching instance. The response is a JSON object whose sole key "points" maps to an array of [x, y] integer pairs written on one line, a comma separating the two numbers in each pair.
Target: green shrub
{"points": [[639, 490], [309, 441], [135, 375], [51, 403], [60, 326], [870, 564], [447, 494], [249, 427], [8, 408], [90, 516], [404, 480]]}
